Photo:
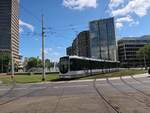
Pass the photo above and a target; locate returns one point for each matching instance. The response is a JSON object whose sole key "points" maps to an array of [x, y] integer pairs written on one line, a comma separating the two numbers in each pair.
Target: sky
{"points": [[63, 19]]}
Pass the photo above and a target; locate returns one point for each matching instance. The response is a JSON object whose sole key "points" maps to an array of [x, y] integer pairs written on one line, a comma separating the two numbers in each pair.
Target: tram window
{"points": [[63, 65], [78, 64], [73, 65]]}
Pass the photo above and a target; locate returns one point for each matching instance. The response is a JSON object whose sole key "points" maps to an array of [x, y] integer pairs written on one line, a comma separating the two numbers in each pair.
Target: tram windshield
{"points": [[63, 65]]}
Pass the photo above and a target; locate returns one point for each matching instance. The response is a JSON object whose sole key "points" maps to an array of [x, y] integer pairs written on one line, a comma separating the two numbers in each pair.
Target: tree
{"points": [[5, 58], [36, 62], [33, 62], [144, 54], [48, 64]]}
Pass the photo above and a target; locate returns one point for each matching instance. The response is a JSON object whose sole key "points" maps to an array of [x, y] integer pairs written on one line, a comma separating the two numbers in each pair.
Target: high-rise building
{"points": [[69, 51], [102, 39], [127, 51], [80, 45], [9, 27], [75, 50], [84, 44]]}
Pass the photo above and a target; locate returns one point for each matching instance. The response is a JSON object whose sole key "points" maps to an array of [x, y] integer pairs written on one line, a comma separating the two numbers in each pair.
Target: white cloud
{"points": [[24, 24], [119, 25], [21, 30], [59, 47], [121, 8], [120, 21], [80, 4], [51, 54], [47, 51], [134, 23], [138, 7], [115, 3], [125, 19]]}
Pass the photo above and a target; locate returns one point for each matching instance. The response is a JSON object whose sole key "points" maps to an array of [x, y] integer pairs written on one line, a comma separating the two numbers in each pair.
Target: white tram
{"points": [[74, 66]]}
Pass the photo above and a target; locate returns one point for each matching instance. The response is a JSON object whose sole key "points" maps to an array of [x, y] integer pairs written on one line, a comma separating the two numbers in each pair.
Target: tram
{"points": [[74, 66]]}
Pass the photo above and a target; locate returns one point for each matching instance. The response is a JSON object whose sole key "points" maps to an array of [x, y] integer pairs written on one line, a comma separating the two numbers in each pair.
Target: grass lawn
{"points": [[27, 78], [55, 77], [127, 72]]}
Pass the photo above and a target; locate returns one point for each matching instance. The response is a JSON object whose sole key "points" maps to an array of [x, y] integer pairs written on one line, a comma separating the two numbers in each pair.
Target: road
{"points": [[125, 95]]}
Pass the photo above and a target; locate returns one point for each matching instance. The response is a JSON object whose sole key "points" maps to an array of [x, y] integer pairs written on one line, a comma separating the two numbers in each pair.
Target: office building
{"points": [[75, 49], [69, 51], [80, 45], [127, 51], [102, 39], [9, 27], [84, 44]]}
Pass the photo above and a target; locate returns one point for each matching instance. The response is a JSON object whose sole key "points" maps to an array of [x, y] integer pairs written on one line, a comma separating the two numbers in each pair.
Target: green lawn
{"points": [[117, 74], [28, 78], [55, 77]]}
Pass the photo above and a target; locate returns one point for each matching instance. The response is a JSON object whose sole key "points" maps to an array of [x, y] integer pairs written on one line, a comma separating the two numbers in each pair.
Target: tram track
{"points": [[146, 97], [106, 101], [139, 80], [9, 91], [131, 86], [25, 95], [59, 99], [123, 92]]}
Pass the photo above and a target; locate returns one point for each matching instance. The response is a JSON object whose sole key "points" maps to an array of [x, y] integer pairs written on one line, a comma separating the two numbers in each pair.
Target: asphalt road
{"points": [[112, 95]]}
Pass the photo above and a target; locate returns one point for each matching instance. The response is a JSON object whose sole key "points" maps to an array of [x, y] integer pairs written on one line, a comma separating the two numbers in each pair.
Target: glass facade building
{"points": [[102, 39]]}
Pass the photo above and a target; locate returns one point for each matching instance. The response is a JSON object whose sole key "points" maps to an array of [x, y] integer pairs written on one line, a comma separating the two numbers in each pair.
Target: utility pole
{"points": [[12, 61], [43, 57], [145, 64]]}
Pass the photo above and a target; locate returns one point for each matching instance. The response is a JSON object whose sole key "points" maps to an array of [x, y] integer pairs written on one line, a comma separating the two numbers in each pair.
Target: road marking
{"points": [[22, 88], [46, 87], [38, 88], [73, 86], [4, 89], [133, 83]]}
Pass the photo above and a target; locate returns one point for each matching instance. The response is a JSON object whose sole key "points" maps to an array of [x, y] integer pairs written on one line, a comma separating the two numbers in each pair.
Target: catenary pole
{"points": [[43, 57], [12, 61], [145, 64]]}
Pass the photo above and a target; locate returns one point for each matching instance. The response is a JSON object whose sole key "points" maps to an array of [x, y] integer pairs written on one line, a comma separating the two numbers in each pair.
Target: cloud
{"points": [[47, 51], [125, 19], [120, 21], [119, 25], [21, 30], [115, 3], [121, 8], [51, 53], [138, 7], [134, 23], [60, 47], [27, 25], [80, 4]]}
